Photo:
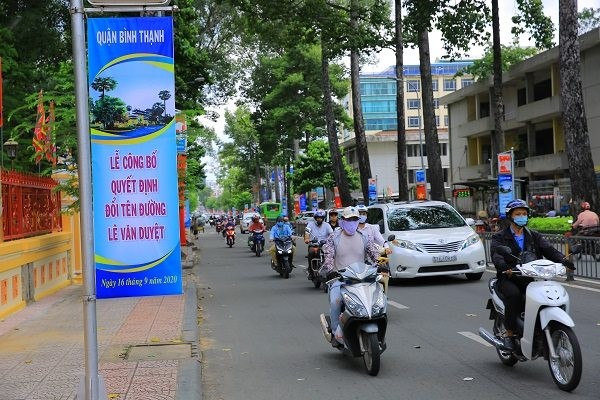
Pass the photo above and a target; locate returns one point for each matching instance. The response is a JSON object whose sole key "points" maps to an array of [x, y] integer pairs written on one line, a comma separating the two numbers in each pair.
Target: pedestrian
{"points": [[194, 227]]}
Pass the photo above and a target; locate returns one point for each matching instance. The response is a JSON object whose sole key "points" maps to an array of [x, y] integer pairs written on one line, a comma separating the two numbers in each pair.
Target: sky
{"points": [[387, 58]]}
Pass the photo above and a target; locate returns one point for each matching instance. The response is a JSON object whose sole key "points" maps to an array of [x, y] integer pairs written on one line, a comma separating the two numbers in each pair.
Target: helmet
{"points": [[319, 214], [279, 219], [362, 208], [517, 203], [255, 217], [350, 212], [585, 205]]}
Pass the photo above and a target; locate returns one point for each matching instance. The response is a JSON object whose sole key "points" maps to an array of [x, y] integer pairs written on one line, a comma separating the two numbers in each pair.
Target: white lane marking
{"points": [[397, 305], [475, 337]]}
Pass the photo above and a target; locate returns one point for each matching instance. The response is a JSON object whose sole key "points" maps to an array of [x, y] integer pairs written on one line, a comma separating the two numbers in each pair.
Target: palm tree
{"points": [[164, 95], [104, 85]]}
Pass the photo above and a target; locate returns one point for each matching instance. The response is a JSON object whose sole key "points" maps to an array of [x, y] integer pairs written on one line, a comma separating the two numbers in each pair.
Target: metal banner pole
{"points": [[90, 384]]}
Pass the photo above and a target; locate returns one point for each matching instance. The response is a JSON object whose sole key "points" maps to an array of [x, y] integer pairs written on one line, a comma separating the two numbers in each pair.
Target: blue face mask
{"points": [[520, 220], [280, 224]]}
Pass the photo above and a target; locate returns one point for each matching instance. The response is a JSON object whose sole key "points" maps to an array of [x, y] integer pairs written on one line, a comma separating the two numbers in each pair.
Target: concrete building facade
{"points": [[378, 98], [532, 125]]}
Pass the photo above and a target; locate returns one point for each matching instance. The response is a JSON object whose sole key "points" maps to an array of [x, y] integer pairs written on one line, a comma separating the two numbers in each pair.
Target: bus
{"points": [[270, 210]]}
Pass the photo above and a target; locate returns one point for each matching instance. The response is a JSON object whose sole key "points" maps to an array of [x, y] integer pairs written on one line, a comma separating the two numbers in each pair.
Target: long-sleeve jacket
{"points": [[534, 242], [371, 251]]}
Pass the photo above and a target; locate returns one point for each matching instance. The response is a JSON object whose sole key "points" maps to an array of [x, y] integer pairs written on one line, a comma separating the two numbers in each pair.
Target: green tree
{"points": [[314, 169], [108, 110], [104, 85], [481, 69], [164, 95], [589, 18]]}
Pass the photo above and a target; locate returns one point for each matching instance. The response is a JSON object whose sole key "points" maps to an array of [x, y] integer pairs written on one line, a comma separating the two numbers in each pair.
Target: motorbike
{"points": [[588, 238], [363, 320], [545, 328], [230, 236], [219, 226], [283, 253], [315, 257], [256, 241]]}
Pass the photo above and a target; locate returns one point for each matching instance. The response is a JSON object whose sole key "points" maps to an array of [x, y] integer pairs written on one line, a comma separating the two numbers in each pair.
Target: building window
{"points": [[412, 150], [413, 85], [437, 120], [414, 122], [413, 104], [466, 82], [436, 103], [446, 120], [449, 85], [434, 85], [443, 149]]}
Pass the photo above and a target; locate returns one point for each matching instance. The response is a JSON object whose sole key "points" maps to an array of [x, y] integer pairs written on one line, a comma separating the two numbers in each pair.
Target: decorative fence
{"points": [[29, 205]]}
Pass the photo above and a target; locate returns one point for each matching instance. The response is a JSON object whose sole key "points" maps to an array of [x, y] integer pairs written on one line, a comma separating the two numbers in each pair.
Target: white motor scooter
{"points": [[545, 327], [363, 320]]}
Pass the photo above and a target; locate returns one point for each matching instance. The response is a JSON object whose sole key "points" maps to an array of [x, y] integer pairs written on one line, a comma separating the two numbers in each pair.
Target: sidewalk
{"points": [[147, 346]]}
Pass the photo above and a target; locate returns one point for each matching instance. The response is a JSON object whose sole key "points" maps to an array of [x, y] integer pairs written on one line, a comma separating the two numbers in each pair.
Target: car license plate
{"points": [[438, 259]]}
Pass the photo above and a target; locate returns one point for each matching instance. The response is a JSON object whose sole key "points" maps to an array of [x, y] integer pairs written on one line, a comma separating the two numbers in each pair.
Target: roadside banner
{"points": [[372, 191], [506, 184], [134, 157]]}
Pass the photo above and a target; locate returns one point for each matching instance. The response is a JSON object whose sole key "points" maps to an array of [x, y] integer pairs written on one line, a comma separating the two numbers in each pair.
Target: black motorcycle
{"points": [[315, 261], [256, 241], [283, 252]]}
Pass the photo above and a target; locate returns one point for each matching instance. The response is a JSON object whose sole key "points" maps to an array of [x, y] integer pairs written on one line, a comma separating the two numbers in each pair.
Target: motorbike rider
{"points": [[586, 218], [333, 219], [318, 231], [229, 224], [344, 247], [280, 230], [255, 225], [519, 239], [370, 230]]}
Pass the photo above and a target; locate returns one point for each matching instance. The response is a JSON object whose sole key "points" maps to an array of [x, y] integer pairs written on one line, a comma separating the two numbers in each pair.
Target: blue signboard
{"points": [[302, 202], [420, 176], [505, 192], [372, 191], [135, 198]]}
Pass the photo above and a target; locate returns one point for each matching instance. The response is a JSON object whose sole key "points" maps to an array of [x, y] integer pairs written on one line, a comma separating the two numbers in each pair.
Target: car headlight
{"points": [[404, 244], [471, 240], [379, 305], [354, 306]]}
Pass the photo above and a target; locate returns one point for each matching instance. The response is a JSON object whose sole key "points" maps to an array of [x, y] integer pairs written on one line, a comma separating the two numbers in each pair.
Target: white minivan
{"points": [[432, 238]]}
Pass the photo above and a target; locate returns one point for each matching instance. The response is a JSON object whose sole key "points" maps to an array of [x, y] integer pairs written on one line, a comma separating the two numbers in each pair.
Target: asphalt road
{"points": [[261, 339]]}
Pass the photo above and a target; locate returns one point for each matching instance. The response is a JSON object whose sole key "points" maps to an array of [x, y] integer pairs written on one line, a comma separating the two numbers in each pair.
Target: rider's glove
{"points": [[568, 263]]}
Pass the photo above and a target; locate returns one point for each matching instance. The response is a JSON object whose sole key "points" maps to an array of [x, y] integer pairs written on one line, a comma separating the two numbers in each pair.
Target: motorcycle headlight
{"points": [[379, 305], [543, 271], [354, 306], [471, 240]]}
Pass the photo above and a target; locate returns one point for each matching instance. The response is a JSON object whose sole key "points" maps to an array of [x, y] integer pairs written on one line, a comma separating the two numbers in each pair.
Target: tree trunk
{"points": [[334, 147], [362, 151], [435, 175], [401, 127], [583, 182], [498, 144]]}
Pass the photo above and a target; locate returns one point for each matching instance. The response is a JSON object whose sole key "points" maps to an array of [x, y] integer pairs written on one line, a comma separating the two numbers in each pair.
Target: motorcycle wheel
{"points": [[506, 357], [371, 356], [258, 249], [317, 283], [566, 370], [286, 269]]}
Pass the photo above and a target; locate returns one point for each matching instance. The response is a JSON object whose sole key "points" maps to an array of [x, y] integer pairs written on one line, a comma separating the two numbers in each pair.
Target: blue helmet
{"points": [[319, 214], [513, 204]]}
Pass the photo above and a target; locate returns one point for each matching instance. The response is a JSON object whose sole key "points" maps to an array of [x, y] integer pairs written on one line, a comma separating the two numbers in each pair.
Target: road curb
{"points": [[189, 374]]}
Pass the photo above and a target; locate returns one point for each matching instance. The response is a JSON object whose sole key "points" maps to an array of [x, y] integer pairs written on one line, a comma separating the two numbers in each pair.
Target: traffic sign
{"points": [[420, 176]]}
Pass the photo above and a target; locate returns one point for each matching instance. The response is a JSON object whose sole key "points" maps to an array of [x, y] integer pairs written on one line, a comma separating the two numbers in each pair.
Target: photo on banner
{"points": [[134, 156]]}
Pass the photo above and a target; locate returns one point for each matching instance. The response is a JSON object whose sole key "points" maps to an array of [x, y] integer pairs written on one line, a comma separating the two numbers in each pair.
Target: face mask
{"points": [[280, 224], [520, 220], [349, 227], [362, 219], [319, 221]]}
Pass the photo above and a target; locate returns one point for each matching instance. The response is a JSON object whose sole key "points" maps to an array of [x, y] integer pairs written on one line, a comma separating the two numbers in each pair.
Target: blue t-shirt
{"points": [[277, 232]]}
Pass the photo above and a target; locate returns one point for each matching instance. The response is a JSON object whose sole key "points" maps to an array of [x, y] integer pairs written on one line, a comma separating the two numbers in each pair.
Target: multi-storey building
{"points": [[378, 98], [532, 126]]}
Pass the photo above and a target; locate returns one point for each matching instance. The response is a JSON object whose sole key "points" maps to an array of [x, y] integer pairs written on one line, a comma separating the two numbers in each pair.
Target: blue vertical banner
{"points": [[506, 184], [372, 191], [302, 202], [134, 157]]}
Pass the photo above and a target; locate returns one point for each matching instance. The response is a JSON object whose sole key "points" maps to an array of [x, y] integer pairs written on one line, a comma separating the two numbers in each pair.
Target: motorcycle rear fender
{"points": [[557, 314]]}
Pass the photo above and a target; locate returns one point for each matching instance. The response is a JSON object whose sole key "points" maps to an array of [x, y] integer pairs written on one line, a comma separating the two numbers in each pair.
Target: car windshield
{"points": [[427, 217]]}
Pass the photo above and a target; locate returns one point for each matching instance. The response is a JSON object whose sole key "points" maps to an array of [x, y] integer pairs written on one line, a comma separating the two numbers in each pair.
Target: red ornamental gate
{"points": [[29, 206]]}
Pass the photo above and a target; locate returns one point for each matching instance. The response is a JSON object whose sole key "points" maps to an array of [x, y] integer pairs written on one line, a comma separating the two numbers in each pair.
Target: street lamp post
{"points": [[11, 150]]}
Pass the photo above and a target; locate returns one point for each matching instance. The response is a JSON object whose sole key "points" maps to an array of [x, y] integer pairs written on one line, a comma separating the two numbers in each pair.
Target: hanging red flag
{"points": [[39, 133], [1, 102]]}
